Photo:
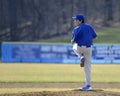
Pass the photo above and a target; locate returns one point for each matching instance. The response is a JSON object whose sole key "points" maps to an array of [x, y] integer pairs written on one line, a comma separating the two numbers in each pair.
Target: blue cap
{"points": [[79, 17]]}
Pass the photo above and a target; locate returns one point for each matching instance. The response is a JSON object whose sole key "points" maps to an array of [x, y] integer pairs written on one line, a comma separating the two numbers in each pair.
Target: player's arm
{"points": [[74, 36], [73, 42]]}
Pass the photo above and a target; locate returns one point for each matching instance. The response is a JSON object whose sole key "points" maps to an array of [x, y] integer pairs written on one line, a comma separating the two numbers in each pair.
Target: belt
{"points": [[87, 46]]}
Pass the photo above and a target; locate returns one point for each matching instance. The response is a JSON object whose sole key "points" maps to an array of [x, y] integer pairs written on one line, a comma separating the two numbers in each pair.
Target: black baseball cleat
{"points": [[82, 60]]}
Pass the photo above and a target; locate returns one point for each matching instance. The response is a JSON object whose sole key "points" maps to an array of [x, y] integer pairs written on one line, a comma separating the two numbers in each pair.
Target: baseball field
{"points": [[35, 79]]}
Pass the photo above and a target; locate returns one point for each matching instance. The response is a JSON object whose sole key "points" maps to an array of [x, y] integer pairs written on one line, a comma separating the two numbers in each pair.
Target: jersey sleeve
{"points": [[74, 35]]}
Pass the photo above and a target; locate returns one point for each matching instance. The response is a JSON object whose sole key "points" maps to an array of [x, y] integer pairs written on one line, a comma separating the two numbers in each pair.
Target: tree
{"points": [[35, 20], [108, 13]]}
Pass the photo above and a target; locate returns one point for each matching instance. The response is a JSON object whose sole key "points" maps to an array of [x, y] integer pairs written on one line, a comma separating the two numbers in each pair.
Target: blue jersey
{"points": [[84, 35]]}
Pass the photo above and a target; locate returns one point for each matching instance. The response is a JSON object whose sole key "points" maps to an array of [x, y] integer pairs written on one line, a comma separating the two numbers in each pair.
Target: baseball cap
{"points": [[79, 17]]}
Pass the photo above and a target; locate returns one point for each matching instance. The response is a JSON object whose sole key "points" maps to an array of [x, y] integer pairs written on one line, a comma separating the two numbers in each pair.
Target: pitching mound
{"points": [[66, 93], [97, 90]]}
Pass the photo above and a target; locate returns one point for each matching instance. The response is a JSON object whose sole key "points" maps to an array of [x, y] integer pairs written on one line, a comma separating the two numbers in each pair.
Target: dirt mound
{"points": [[66, 93], [97, 89]]}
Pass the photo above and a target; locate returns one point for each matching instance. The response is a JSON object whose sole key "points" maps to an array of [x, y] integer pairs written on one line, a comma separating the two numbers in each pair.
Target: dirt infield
{"points": [[97, 89]]}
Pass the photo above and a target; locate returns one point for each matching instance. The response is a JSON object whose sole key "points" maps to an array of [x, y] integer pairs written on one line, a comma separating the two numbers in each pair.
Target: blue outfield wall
{"points": [[56, 53]]}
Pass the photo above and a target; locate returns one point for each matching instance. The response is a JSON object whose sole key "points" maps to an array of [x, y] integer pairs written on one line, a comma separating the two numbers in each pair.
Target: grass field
{"points": [[41, 73], [57, 73], [105, 36]]}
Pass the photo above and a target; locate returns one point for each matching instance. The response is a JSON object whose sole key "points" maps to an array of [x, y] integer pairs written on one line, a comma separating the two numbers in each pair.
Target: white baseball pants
{"points": [[87, 51]]}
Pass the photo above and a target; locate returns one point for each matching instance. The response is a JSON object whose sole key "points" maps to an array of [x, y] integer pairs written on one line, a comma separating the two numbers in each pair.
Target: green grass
{"points": [[106, 35], [23, 72], [109, 35], [56, 73], [19, 90]]}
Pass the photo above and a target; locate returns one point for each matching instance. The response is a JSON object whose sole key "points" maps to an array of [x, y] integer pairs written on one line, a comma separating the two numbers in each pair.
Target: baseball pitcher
{"points": [[82, 41]]}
